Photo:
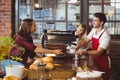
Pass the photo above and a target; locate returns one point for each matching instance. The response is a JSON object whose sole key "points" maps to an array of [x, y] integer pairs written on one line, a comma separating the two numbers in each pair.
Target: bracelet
{"points": [[85, 51]]}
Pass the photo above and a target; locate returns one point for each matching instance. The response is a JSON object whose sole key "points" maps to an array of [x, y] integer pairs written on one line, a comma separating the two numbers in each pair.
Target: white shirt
{"points": [[105, 39]]}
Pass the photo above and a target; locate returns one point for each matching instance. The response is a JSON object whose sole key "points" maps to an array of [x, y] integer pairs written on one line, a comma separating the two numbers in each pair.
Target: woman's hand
{"points": [[45, 51], [58, 51]]}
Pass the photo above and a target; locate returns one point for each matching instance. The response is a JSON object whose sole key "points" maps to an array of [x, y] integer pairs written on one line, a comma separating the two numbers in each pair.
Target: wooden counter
{"points": [[65, 71]]}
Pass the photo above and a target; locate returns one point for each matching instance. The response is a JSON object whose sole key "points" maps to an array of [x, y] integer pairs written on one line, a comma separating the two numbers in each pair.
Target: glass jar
{"points": [[42, 72]]}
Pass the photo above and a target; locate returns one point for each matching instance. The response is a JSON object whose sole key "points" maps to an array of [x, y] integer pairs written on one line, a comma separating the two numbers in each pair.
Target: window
{"points": [[50, 14], [66, 14], [112, 10]]}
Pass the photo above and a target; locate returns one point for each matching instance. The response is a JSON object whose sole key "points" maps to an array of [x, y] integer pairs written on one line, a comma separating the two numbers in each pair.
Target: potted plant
{"points": [[5, 44], [10, 52], [8, 49]]}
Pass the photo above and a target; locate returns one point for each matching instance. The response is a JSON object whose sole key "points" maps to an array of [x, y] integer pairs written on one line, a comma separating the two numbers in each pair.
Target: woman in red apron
{"points": [[101, 61]]}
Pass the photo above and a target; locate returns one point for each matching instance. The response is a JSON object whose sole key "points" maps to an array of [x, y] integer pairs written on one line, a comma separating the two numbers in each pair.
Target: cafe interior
{"points": [[58, 20]]}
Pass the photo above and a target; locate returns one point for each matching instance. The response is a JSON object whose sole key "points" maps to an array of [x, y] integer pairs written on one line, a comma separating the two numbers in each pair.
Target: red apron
{"points": [[101, 61]]}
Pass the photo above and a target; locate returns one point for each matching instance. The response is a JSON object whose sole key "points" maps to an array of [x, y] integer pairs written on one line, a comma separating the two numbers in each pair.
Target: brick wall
{"points": [[5, 17]]}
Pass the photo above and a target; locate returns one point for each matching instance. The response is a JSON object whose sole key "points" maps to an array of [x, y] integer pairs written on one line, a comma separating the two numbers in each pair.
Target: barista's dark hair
{"points": [[101, 16]]}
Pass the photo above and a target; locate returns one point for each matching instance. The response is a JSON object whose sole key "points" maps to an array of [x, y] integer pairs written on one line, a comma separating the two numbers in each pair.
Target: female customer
{"points": [[23, 38], [81, 32]]}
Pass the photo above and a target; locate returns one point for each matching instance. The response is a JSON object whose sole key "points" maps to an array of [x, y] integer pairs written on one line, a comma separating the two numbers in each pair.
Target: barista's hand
{"points": [[75, 47], [81, 51], [58, 51]]}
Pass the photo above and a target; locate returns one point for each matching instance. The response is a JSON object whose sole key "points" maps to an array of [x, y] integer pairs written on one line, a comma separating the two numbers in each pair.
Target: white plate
{"points": [[89, 74]]}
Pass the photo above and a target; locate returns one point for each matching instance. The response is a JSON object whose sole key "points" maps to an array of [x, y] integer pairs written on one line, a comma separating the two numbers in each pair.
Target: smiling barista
{"points": [[100, 44]]}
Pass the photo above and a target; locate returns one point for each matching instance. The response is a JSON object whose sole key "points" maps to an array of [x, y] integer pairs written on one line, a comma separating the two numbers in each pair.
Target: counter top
{"points": [[65, 71]]}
